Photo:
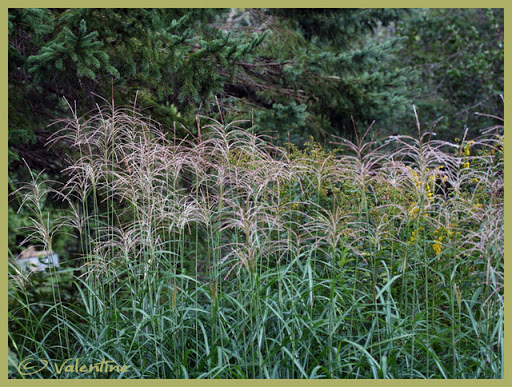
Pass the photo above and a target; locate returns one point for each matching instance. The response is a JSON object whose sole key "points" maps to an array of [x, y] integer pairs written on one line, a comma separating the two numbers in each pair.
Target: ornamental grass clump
{"points": [[221, 255]]}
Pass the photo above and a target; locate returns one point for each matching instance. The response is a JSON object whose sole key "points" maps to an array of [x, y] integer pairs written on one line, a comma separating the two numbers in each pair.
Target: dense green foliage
{"points": [[250, 227], [460, 56]]}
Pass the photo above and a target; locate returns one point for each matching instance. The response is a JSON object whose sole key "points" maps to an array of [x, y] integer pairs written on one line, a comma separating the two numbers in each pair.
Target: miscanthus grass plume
{"points": [[221, 255]]}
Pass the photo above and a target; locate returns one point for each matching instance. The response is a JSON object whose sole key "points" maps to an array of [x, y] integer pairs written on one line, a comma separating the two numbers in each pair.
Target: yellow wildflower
{"points": [[437, 247]]}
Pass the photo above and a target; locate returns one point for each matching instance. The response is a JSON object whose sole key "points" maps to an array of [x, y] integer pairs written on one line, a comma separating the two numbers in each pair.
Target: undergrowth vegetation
{"points": [[224, 256]]}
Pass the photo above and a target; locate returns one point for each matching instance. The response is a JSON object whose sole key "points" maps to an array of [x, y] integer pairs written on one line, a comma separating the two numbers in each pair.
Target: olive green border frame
{"points": [[239, 4]]}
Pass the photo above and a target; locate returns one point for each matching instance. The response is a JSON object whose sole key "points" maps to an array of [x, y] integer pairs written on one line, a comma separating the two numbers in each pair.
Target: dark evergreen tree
{"points": [[300, 71], [318, 69]]}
